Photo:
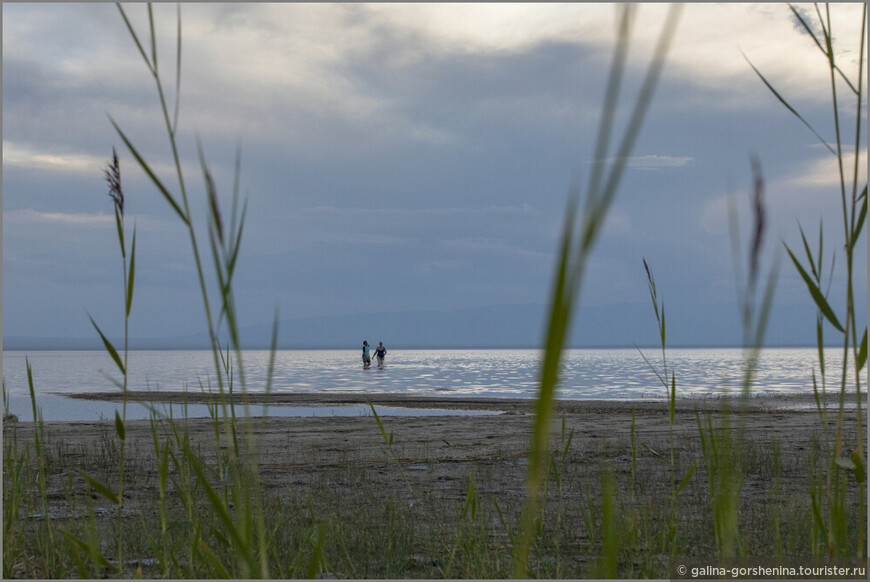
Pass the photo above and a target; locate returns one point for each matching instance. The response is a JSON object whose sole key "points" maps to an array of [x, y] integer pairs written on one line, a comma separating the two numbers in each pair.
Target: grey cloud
{"points": [[29, 216], [651, 162], [498, 247], [385, 168]]}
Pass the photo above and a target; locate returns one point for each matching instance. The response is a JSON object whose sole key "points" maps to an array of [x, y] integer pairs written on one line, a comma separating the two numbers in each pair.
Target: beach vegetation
{"points": [[830, 509]]}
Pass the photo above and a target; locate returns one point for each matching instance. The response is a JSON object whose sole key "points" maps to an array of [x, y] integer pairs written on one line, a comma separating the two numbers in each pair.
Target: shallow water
{"points": [[586, 374], [61, 408]]}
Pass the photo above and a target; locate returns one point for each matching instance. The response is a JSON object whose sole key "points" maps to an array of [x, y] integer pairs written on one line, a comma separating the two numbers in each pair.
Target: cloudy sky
{"points": [[407, 157]]}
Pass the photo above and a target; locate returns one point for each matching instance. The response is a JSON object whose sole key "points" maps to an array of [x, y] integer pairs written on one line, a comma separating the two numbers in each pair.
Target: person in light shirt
{"points": [[366, 356]]}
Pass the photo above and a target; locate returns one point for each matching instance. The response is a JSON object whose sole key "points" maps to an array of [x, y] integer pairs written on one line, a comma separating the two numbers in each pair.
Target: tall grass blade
{"points": [[113, 381], [642, 103], [39, 443], [820, 408], [242, 546], [862, 353], [821, 254], [212, 560], [820, 344], [810, 258], [153, 37], [572, 261], [558, 321], [387, 440], [317, 554], [685, 480], [99, 487], [787, 106], [807, 28], [174, 127], [119, 426], [131, 276], [662, 381], [816, 293], [109, 347], [614, 80], [270, 369], [151, 174], [237, 241], [862, 217], [211, 195], [135, 38], [858, 467], [633, 440], [90, 550]]}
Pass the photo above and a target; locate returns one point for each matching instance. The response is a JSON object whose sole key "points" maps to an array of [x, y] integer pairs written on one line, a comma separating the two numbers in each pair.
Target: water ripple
{"points": [[615, 373]]}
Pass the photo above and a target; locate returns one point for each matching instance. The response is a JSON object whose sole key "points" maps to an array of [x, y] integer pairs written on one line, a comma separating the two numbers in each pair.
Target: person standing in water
{"points": [[380, 352], [367, 358]]}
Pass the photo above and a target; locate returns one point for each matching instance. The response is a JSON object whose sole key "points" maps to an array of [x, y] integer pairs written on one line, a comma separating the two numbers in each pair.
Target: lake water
{"points": [[586, 374]]}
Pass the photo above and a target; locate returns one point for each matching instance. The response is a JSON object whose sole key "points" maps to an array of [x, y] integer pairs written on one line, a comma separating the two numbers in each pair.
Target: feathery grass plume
{"points": [[113, 178], [756, 311], [723, 449], [853, 198], [759, 221], [575, 250]]}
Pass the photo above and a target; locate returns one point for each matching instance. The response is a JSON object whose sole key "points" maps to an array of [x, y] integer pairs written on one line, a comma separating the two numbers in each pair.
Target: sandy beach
{"points": [[329, 462], [444, 449]]}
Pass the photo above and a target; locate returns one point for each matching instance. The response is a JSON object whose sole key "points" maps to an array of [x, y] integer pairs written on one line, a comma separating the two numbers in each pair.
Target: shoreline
{"points": [[762, 402], [301, 448]]}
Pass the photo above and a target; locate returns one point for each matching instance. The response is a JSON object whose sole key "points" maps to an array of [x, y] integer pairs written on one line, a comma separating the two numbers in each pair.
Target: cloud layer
{"points": [[397, 157]]}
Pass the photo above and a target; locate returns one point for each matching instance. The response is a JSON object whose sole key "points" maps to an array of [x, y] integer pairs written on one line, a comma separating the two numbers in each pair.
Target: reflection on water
{"points": [[586, 374]]}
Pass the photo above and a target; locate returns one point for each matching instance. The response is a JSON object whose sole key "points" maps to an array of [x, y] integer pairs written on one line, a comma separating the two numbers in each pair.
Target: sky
{"points": [[410, 158]]}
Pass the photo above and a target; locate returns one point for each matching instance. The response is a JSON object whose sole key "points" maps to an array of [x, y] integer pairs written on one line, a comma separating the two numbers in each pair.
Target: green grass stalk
{"points": [[225, 241], [853, 200], [575, 251], [49, 553]]}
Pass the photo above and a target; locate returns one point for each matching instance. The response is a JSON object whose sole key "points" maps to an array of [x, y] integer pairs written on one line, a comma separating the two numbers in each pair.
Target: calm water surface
{"points": [[587, 373]]}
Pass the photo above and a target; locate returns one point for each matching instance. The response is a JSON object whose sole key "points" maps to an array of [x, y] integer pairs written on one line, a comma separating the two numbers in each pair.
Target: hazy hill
{"points": [[501, 326]]}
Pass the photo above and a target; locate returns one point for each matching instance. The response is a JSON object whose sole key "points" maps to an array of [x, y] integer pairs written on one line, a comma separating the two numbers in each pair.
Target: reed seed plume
{"points": [[213, 204], [759, 220], [113, 178]]}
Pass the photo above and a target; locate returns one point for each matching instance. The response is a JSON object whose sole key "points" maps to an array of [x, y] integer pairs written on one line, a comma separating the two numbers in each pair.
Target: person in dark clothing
{"points": [[380, 352]]}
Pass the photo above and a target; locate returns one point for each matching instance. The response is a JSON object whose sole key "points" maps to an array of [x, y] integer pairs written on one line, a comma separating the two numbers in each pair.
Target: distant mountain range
{"points": [[500, 326]]}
